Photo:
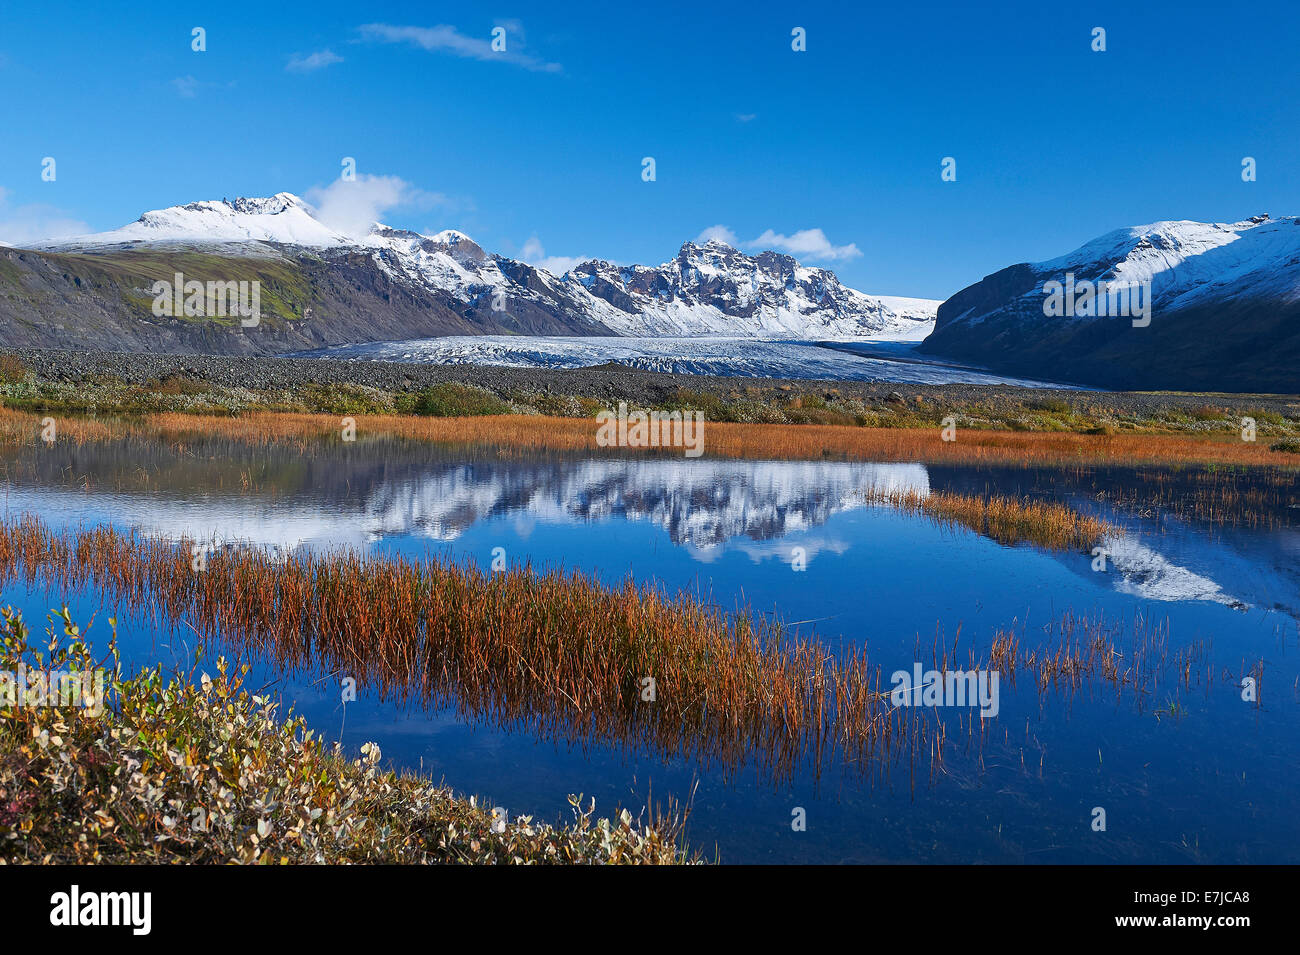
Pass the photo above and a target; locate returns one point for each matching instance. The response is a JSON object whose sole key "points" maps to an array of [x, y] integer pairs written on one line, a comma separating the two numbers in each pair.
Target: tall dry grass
{"points": [[1005, 519], [19, 428], [721, 439], [1082, 649], [558, 655]]}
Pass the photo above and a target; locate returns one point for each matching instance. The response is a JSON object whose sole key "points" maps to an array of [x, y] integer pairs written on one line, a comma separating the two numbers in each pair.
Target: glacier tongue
{"points": [[696, 355]]}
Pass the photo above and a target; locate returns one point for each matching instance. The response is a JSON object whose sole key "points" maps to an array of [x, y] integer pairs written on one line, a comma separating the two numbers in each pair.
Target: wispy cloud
{"points": [[312, 61], [34, 222], [186, 86], [746, 117], [809, 244], [353, 206], [447, 39], [534, 254]]}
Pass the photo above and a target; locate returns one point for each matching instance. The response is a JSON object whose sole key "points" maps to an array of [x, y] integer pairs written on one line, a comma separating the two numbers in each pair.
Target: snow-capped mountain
{"points": [[711, 289], [282, 218], [715, 289], [1224, 309]]}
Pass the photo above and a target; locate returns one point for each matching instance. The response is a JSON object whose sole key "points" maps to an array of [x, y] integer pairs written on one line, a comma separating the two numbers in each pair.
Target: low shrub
{"points": [[452, 400], [202, 771]]}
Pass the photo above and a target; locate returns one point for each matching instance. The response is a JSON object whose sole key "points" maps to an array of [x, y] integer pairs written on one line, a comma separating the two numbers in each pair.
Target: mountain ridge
{"points": [[1224, 298], [340, 286], [1224, 311]]}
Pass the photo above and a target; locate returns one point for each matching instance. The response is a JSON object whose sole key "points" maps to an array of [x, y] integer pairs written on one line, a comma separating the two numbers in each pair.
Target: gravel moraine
{"points": [[609, 382]]}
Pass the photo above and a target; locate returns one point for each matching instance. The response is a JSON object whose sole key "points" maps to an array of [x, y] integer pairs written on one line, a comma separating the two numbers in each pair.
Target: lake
{"points": [[1186, 771]]}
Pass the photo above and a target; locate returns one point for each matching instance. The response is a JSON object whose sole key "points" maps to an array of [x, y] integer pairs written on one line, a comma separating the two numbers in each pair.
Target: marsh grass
{"points": [[1004, 519], [1252, 497], [559, 656], [1083, 649], [721, 439]]}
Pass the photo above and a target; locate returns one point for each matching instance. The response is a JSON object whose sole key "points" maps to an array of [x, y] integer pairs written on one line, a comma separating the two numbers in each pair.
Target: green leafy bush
{"points": [[202, 771], [452, 400]]}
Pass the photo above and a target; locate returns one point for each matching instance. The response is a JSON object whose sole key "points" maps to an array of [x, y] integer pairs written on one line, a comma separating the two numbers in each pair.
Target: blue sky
{"points": [[538, 152]]}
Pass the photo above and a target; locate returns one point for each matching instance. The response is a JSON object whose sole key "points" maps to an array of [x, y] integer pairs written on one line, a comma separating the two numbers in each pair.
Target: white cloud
{"points": [[746, 117], [536, 256], [718, 233], [35, 222], [314, 61], [352, 207], [447, 39], [806, 244]]}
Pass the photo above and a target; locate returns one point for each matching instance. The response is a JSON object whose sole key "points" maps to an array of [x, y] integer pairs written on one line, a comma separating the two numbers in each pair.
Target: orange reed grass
{"points": [[1005, 519], [721, 439], [558, 655]]}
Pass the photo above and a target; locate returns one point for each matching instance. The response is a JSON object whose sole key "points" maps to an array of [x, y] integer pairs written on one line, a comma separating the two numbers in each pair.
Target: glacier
{"points": [[723, 356]]}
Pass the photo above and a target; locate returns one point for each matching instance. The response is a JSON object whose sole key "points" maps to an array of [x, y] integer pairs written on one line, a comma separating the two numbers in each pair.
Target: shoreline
{"points": [[112, 383], [719, 439]]}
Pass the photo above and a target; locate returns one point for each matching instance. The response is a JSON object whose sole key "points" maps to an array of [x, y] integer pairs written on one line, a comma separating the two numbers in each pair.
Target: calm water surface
{"points": [[1190, 773]]}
